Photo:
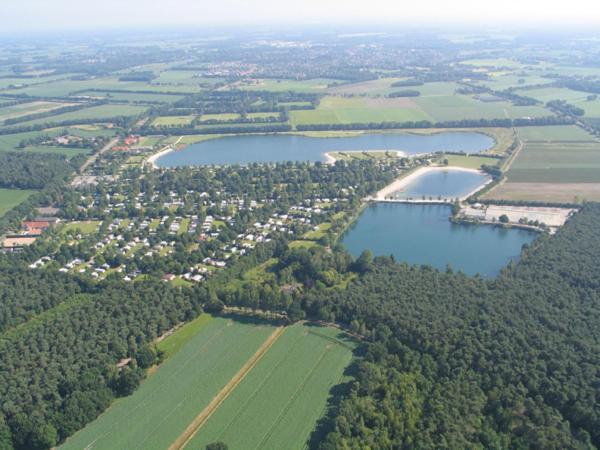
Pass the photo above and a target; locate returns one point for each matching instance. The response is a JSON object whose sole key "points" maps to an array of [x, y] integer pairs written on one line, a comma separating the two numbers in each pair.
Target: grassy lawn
{"points": [[205, 357], [302, 244], [315, 235], [87, 227], [470, 161], [278, 403], [9, 198]]}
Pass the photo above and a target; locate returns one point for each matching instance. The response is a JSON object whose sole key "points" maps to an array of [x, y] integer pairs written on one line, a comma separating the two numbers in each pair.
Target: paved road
{"points": [[95, 156]]}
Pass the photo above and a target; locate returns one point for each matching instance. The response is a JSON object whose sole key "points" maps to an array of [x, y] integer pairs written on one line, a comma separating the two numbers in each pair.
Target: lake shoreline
{"points": [[404, 181]]}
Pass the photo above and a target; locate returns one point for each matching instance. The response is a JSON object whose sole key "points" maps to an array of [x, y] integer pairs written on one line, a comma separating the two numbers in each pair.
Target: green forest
{"points": [[448, 361]]}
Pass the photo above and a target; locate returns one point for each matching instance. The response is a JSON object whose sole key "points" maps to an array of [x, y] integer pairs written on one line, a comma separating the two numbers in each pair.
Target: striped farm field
{"points": [[278, 403], [204, 355]]}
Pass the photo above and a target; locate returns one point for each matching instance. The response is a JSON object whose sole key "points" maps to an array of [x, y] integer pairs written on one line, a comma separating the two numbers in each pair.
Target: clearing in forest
{"points": [[205, 355], [279, 402]]}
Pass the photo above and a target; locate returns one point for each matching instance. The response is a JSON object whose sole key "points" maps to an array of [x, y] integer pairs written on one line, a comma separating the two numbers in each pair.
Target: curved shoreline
{"points": [[400, 183]]}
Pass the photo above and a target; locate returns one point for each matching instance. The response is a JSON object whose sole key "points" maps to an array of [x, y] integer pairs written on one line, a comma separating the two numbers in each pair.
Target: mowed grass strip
{"points": [[278, 403], [169, 400]]}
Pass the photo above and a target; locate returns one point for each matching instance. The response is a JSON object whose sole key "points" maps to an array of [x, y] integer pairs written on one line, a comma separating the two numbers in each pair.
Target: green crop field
{"points": [[94, 112], [281, 85], [381, 86], [557, 163], [205, 355], [564, 133], [360, 110], [503, 81], [277, 405], [171, 121], [10, 142], [25, 109], [9, 198], [62, 88], [133, 96], [437, 102]]}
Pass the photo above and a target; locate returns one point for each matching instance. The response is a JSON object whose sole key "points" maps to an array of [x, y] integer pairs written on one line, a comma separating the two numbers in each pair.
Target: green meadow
{"points": [[9, 198]]}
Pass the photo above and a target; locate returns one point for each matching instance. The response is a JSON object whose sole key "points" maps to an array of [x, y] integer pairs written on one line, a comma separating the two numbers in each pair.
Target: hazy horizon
{"points": [[43, 15]]}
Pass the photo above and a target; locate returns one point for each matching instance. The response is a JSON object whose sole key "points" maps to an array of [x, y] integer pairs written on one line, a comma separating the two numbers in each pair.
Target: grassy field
{"points": [[546, 192], [64, 87], [437, 102], [503, 81], [557, 163], [577, 98], [205, 354], [278, 403], [172, 121], [381, 86], [10, 142], [470, 161], [133, 97], [283, 85], [25, 109], [9, 198], [564, 133], [95, 112], [87, 227], [360, 110]]}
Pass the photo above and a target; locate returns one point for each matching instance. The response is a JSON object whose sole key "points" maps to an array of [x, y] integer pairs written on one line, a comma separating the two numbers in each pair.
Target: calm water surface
{"points": [[286, 147], [422, 234], [442, 183]]}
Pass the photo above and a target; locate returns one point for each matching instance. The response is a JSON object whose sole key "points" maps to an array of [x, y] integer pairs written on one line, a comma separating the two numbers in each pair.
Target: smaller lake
{"points": [[246, 149], [443, 183], [423, 234]]}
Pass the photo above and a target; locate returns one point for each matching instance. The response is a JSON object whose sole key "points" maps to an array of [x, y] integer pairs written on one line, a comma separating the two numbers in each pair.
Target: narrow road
{"points": [[95, 156]]}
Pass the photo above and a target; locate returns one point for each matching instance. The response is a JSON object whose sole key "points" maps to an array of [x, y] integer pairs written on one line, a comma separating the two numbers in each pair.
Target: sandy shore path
{"points": [[401, 183], [168, 149]]}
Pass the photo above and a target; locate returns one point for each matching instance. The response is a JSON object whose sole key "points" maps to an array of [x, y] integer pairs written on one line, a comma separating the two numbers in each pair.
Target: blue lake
{"points": [[422, 234], [442, 183], [246, 149]]}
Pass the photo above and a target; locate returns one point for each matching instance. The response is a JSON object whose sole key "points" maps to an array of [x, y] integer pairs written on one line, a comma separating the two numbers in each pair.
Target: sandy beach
{"points": [[153, 158], [405, 181]]}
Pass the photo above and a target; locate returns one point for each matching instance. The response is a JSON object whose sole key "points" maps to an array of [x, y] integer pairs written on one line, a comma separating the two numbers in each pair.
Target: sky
{"points": [[41, 15]]}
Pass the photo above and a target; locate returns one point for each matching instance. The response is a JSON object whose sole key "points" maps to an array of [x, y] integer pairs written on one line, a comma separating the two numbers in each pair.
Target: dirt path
{"points": [[95, 156], [205, 414]]}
